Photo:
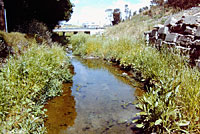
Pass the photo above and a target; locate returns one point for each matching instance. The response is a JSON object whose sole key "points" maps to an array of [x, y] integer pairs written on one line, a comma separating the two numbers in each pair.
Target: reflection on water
{"points": [[103, 102], [61, 111]]}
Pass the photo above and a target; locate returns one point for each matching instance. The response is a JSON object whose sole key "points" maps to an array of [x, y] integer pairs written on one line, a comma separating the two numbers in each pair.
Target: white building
{"points": [[109, 17]]}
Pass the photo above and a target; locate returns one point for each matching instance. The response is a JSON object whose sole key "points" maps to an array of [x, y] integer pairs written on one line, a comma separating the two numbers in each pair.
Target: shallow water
{"points": [[99, 102]]}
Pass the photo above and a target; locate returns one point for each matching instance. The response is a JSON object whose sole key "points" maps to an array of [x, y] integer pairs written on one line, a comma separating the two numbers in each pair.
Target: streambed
{"points": [[99, 101]]}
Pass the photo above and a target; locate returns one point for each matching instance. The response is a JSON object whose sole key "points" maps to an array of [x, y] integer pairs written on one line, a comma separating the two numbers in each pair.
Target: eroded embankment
{"points": [[172, 101]]}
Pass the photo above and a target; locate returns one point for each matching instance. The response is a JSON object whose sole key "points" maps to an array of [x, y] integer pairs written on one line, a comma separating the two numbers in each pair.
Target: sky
{"points": [[94, 10]]}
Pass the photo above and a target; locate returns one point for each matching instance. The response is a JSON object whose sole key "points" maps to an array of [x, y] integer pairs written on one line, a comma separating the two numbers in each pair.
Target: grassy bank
{"points": [[27, 80], [172, 101], [138, 24]]}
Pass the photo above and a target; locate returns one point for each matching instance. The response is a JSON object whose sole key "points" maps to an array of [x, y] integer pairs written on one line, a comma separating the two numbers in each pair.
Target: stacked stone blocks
{"points": [[183, 33]]}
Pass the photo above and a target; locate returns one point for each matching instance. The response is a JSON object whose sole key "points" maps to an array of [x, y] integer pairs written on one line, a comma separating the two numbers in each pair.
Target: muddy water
{"points": [[99, 102]]}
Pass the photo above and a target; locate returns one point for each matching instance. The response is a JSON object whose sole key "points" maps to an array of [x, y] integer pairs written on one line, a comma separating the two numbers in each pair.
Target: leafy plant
{"points": [[27, 81]]}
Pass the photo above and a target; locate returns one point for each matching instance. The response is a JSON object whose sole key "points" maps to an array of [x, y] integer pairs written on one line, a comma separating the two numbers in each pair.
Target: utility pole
{"points": [[2, 16]]}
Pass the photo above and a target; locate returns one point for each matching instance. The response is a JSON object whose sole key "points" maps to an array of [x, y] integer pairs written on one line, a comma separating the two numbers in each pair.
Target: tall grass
{"points": [[171, 103], [131, 28], [138, 24], [26, 82]]}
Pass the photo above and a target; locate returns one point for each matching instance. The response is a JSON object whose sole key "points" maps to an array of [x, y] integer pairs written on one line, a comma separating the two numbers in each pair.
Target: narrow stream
{"points": [[99, 102]]}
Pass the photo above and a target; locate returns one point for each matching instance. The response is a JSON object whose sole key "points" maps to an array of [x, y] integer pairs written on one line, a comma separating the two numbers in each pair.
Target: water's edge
{"points": [[100, 101]]}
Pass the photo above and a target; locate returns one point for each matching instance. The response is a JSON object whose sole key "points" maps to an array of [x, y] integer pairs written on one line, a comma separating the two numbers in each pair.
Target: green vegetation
{"points": [[131, 28], [27, 80], [172, 101], [138, 24]]}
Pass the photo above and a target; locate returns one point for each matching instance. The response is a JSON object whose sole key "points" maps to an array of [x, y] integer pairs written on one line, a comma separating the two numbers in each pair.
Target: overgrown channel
{"points": [[99, 101]]}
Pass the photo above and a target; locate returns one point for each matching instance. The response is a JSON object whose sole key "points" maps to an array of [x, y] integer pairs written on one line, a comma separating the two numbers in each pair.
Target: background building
{"points": [[109, 17]]}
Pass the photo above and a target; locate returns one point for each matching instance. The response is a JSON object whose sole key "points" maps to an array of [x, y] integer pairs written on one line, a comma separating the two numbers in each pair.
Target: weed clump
{"points": [[27, 81]]}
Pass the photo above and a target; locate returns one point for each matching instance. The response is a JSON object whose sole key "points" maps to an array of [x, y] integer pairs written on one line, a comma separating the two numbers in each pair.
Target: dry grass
{"points": [[15, 38], [17, 41], [138, 24]]}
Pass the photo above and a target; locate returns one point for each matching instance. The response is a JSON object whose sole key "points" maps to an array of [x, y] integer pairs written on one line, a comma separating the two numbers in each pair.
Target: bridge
{"points": [[91, 31]]}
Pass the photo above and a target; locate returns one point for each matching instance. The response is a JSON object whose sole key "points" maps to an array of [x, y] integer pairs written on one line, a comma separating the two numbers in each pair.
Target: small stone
{"points": [[124, 74], [86, 128], [121, 121]]}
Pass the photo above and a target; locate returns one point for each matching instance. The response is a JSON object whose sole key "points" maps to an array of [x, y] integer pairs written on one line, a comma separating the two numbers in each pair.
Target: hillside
{"points": [[137, 25]]}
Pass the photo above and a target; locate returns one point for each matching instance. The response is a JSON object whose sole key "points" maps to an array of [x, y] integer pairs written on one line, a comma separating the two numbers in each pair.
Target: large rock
{"points": [[171, 37], [190, 30], [163, 30], [185, 40], [171, 21], [191, 21], [178, 28]]}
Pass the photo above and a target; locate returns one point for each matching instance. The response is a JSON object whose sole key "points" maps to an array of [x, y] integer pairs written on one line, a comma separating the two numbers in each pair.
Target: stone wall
{"points": [[182, 33]]}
